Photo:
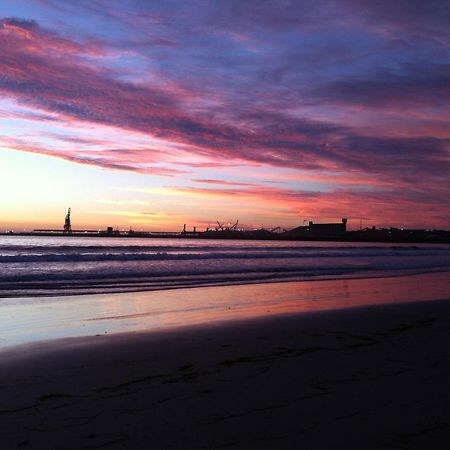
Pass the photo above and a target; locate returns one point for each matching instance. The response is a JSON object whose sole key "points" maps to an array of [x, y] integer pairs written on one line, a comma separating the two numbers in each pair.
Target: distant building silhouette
{"points": [[320, 230]]}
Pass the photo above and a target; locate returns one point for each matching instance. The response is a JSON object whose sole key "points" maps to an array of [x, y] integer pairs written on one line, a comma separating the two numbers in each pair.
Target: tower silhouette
{"points": [[67, 224]]}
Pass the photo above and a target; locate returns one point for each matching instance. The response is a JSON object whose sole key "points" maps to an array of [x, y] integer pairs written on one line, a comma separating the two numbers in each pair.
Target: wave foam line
{"points": [[162, 256]]}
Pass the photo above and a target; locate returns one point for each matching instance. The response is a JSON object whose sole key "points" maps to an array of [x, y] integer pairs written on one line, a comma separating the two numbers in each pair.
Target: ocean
{"points": [[54, 266]]}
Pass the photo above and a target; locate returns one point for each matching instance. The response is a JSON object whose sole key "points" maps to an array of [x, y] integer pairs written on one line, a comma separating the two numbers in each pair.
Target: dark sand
{"points": [[373, 377]]}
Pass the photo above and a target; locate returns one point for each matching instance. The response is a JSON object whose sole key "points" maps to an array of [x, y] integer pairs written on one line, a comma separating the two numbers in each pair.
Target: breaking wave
{"points": [[63, 266]]}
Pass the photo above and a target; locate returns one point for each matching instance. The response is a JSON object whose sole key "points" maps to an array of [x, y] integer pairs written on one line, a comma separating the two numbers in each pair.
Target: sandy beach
{"points": [[367, 376]]}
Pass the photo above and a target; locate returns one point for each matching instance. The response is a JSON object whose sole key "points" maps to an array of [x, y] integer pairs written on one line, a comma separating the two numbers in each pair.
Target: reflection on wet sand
{"points": [[34, 319]]}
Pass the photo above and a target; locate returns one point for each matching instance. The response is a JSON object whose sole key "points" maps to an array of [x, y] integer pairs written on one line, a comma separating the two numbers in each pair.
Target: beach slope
{"points": [[372, 377]]}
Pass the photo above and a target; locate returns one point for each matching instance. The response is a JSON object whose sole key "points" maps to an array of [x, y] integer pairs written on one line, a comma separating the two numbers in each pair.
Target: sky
{"points": [[151, 114]]}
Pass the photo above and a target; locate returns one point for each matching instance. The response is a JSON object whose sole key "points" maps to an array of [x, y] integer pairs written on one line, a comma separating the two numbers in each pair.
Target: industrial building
{"points": [[320, 230]]}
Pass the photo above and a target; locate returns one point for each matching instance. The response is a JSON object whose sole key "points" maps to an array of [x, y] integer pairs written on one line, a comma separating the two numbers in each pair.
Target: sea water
{"points": [[35, 266]]}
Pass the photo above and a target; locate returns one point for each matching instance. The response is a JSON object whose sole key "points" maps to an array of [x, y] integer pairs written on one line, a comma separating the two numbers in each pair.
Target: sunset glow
{"points": [[150, 115]]}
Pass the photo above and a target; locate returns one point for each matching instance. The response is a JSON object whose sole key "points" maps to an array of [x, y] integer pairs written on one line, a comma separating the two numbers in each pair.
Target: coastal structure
{"points": [[320, 230], [328, 231], [67, 223]]}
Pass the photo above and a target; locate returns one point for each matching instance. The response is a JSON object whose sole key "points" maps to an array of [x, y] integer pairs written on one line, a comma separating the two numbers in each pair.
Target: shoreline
{"points": [[370, 377], [241, 282], [33, 319]]}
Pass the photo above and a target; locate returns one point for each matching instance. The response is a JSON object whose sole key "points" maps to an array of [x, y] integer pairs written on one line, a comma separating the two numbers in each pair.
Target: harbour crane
{"points": [[67, 224], [230, 227]]}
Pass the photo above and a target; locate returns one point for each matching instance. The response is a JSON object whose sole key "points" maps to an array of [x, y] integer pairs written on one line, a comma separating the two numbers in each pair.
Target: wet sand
{"points": [[28, 320], [368, 377]]}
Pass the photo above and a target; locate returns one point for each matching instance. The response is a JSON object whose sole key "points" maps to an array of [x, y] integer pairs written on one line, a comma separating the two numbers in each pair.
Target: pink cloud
{"points": [[222, 182], [385, 208], [27, 36], [99, 159]]}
